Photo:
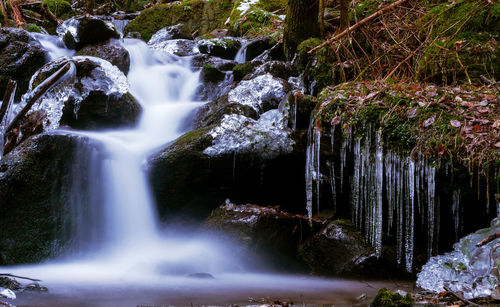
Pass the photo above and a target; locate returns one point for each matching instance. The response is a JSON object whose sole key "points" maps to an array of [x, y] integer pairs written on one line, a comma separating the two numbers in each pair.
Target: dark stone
{"points": [[186, 182], [273, 54], [33, 197], [211, 74], [100, 110], [225, 48], [110, 51], [277, 69], [201, 276], [201, 60], [20, 57], [336, 250], [212, 113], [256, 48], [89, 30], [273, 234]]}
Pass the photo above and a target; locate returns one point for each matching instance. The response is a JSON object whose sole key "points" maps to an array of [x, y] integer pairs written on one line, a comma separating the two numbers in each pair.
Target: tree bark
{"points": [[301, 23], [16, 13], [344, 14]]}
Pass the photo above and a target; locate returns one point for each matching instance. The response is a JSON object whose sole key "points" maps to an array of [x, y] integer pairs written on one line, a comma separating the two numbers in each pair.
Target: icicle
{"points": [[379, 190], [410, 215], [332, 136], [312, 167], [346, 140], [332, 184], [431, 191], [455, 211], [355, 202]]}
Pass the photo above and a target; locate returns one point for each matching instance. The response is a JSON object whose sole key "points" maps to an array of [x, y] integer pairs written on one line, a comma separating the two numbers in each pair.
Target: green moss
{"points": [[241, 70], [463, 43], [196, 15], [33, 28], [2, 16], [59, 7], [386, 298]]}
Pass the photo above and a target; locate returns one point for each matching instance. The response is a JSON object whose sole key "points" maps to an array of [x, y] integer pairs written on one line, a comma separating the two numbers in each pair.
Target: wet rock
{"points": [[188, 181], [178, 31], [256, 48], [243, 69], [210, 73], [33, 200], [201, 60], [180, 47], [111, 51], [93, 94], [262, 93], [274, 234], [20, 57], [213, 112], [338, 249], [78, 32], [277, 69], [225, 48], [275, 53]]}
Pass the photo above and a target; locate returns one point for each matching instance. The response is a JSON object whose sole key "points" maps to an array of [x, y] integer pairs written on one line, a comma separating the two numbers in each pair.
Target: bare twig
{"points": [[357, 25], [40, 90], [460, 297], [16, 276]]}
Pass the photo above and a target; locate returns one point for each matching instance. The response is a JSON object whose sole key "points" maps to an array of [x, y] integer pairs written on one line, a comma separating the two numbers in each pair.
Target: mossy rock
{"points": [[257, 23], [210, 73], [60, 8], [200, 15], [464, 43], [32, 28], [241, 70], [386, 298]]}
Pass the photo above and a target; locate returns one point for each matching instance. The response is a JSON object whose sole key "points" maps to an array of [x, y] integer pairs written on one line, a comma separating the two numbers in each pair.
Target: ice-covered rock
{"points": [[168, 33], [261, 93], [111, 51], [225, 48], [469, 268], [77, 32], [180, 47], [266, 136], [7, 293], [94, 95]]}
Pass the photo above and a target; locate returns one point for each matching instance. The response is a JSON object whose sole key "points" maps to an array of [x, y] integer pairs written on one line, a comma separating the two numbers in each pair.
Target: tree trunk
{"points": [[301, 23], [89, 8], [322, 19], [344, 14]]}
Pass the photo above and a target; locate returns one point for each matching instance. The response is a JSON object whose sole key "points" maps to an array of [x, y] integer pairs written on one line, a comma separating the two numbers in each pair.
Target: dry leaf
{"points": [[496, 124], [467, 104], [458, 99], [455, 123], [336, 120], [483, 103], [440, 149], [477, 128], [497, 145], [422, 103], [429, 121], [412, 113]]}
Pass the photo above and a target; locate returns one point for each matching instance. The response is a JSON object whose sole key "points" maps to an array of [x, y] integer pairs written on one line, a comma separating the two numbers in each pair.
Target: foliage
{"points": [[386, 298], [59, 7], [456, 123]]}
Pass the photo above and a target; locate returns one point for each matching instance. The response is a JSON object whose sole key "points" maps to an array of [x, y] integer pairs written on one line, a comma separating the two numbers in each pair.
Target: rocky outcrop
{"points": [[225, 48], [78, 32], [111, 51], [33, 199], [20, 57], [274, 234]]}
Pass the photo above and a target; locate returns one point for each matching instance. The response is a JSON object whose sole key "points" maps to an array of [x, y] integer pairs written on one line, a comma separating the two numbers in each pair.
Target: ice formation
{"points": [[245, 5], [469, 269], [239, 134], [384, 186], [258, 92], [182, 47]]}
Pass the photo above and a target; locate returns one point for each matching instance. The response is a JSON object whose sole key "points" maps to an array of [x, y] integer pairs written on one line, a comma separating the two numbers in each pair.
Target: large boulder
{"points": [[241, 158], [78, 32], [34, 197], [273, 234], [20, 57], [225, 48], [111, 51], [99, 97], [93, 94], [180, 47]]}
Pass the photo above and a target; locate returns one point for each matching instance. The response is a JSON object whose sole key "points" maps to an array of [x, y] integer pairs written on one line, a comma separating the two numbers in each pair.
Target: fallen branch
{"points": [[488, 239], [8, 98], [49, 15], [39, 91], [460, 297], [22, 277], [18, 17], [357, 25]]}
